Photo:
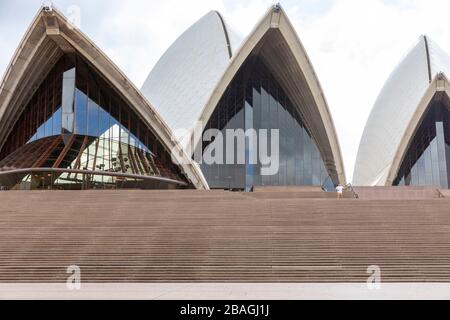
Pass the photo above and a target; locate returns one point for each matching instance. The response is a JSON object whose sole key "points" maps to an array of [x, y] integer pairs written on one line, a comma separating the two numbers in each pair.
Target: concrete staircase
{"points": [[307, 192], [219, 236], [398, 193]]}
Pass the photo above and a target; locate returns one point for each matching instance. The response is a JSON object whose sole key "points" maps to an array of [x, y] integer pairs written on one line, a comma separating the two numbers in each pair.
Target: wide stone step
{"points": [[219, 236]]}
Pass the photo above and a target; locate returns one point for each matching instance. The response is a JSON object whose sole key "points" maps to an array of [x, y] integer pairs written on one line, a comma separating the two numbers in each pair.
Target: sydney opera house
{"points": [[70, 119]]}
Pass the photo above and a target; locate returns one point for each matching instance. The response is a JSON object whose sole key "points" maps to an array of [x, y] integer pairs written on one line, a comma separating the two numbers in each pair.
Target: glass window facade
{"points": [[255, 100], [77, 121], [427, 161]]}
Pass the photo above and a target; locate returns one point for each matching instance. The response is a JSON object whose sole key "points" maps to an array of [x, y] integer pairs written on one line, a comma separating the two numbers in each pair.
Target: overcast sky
{"points": [[353, 44]]}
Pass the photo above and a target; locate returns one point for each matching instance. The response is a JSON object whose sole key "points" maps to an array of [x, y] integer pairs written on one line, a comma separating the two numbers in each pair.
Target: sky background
{"points": [[354, 45]]}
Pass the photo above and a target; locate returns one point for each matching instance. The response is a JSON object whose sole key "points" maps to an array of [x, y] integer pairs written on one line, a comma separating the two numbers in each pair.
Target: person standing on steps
{"points": [[340, 191]]}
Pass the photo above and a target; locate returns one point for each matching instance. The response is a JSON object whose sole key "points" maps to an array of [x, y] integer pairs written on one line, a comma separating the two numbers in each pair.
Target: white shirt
{"points": [[339, 189]]}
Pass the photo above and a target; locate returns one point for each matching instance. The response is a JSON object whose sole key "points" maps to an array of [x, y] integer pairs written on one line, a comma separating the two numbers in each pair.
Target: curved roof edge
{"points": [[48, 37], [234, 40], [439, 86], [227, 35], [394, 109], [183, 78], [276, 18]]}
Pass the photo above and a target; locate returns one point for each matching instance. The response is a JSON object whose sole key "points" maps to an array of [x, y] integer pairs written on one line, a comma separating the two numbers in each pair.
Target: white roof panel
{"points": [[183, 79], [394, 109]]}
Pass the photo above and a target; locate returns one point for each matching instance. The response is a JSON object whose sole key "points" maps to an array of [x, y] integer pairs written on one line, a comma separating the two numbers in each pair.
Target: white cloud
{"points": [[353, 44]]}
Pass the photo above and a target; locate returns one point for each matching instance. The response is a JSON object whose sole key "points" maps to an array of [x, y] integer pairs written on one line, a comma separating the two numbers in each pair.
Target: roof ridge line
{"points": [[427, 48], [225, 30]]}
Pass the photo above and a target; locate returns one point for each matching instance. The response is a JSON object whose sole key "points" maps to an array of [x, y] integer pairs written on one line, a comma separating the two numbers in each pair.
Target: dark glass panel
{"points": [[104, 122], [259, 102], [42, 115], [81, 107], [307, 160], [93, 119], [76, 121], [427, 160]]}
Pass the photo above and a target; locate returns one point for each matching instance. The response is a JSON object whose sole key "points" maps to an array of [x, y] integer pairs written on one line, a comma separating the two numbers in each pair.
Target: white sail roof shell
{"points": [[190, 78], [394, 109], [183, 79]]}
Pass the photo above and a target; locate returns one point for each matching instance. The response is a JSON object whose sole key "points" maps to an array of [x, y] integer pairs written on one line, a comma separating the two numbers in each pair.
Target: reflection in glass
{"points": [[67, 100], [78, 122], [428, 158], [254, 99]]}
